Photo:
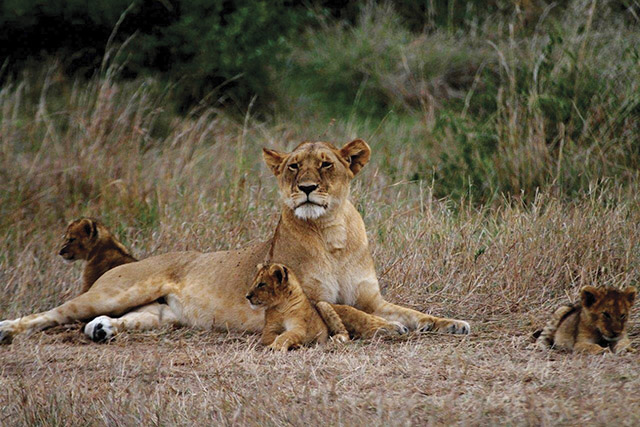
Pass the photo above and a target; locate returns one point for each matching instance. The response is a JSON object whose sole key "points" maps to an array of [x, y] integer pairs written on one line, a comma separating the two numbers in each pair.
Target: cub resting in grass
{"points": [[292, 321], [87, 239], [595, 325]]}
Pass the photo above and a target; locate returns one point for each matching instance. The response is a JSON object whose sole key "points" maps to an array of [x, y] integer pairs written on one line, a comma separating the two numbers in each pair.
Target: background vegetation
{"points": [[504, 177]]}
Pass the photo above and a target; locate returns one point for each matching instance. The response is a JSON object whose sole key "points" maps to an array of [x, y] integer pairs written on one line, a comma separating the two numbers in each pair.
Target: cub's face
{"points": [[270, 286], [79, 239], [314, 178], [608, 309]]}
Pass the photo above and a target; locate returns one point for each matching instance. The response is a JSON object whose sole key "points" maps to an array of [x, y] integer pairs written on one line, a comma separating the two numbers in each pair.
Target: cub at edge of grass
{"points": [[595, 325], [290, 319], [88, 239]]}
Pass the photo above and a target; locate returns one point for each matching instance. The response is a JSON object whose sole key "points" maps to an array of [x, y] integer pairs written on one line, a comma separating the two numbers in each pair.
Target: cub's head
{"points": [[608, 309], [272, 285], [79, 239], [314, 178]]}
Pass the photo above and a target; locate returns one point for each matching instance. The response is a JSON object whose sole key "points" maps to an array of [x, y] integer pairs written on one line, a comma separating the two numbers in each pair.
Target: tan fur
{"points": [[596, 325], [290, 319], [320, 235], [87, 239]]}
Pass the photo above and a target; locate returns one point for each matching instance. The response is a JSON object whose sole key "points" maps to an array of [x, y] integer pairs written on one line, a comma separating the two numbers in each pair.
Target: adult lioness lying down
{"points": [[320, 236]]}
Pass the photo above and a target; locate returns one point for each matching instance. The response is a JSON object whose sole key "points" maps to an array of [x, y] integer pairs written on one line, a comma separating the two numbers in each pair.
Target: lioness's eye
{"points": [[606, 315], [326, 165], [72, 239], [261, 284], [622, 316], [293, 166]]}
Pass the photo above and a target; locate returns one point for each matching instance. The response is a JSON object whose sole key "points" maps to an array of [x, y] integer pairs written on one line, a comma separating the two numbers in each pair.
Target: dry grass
{"points": [[166, 184]]}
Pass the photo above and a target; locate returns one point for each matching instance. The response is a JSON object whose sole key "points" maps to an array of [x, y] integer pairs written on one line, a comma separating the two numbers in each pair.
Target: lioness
{"points": [[290, 319], [595, 325], [320, 235], [87, 239]]}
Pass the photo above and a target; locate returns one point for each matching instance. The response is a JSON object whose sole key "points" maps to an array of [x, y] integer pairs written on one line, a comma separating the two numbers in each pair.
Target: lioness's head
{"points": [[608, 309], [271, 286], [314, 178], [79, 239]]}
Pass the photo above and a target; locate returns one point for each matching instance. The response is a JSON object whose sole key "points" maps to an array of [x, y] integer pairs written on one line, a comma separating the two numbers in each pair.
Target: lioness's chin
{"points": [[309, 211]]}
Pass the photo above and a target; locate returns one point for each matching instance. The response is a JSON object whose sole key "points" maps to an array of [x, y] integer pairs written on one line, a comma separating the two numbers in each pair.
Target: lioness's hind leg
{"points": [[332, 320], [364, 325], [150, 316]]}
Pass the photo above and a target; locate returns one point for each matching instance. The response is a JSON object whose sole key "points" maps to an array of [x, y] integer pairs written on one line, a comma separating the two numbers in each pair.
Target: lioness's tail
{"points": [[545, 338]]}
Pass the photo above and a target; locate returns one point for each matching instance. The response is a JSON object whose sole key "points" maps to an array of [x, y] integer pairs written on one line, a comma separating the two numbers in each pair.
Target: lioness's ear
{"points": [[259, 266], [630, 292], [279, 272], [589, 295], [273, 159], [357, 154]]}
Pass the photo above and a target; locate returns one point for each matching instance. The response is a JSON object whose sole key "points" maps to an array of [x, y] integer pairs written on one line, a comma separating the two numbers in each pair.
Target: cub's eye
{"points": [[326, 165], [72, 239], [293, 167], [623, 316], [606, 315], [261, 285]]}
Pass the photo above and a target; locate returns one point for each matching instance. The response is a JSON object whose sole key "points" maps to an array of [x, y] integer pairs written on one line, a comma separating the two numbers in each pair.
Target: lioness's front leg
{"points": [[414, 320]]}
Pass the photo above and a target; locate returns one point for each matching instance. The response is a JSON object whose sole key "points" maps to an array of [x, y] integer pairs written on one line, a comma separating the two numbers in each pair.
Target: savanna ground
{"points": [[505, 179]]}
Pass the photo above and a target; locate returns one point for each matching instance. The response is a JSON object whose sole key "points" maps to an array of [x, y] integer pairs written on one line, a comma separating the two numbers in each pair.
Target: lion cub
{"points": [[596, 325], [89, 240], [290, 319]]}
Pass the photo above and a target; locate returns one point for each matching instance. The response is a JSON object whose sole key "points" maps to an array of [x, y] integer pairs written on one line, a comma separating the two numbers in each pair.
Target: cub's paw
{"points": [[282, 344], [448, 326], [100, 329], [6, 332], [341, 338]]}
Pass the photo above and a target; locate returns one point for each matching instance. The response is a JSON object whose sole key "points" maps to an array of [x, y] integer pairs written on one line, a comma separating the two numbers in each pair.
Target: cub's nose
{"points": [[62, 251], [248, 296], [307, 188]]}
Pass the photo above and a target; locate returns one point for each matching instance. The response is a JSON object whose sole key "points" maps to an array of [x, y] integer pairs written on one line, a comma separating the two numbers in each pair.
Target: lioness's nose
{"points": [[248, 296], [62, 251], [307, 188]]}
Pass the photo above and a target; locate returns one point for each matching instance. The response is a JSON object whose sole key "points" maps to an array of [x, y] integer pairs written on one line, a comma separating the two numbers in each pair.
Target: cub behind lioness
{"points": [[89, 240], [595, 325]]}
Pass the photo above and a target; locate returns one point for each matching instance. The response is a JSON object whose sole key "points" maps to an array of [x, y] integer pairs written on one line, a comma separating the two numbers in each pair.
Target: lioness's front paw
{"points": [[449, 326], [100, 329], [6, 332]]}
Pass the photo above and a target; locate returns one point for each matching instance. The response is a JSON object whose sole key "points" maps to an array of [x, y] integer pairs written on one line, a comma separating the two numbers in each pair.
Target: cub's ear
{"points": [[589, 295], [280, 272], [630, 292], [90, 228], [259, 266], [357, 154], [273, 159]]}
